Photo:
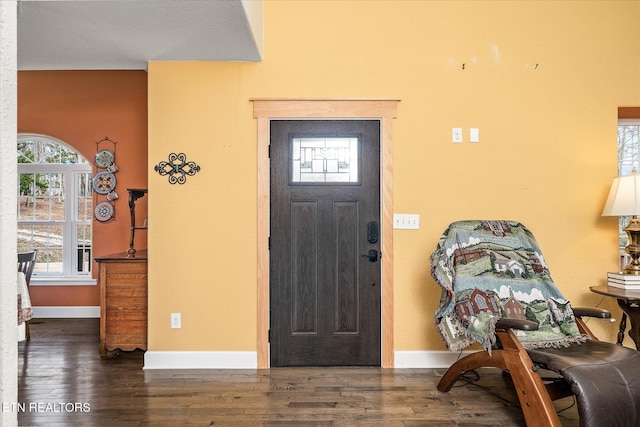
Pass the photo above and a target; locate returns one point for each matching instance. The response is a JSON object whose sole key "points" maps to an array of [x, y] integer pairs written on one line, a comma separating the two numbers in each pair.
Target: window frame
{"points": [[635, 163], [71, 172]]}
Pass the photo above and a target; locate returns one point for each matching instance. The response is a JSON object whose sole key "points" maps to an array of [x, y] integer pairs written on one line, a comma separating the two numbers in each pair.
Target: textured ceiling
{"points": [[126, 34]]}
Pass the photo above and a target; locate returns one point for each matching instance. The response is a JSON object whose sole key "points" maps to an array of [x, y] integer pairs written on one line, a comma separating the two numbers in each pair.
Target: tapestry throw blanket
{"points": [[493, 269]]}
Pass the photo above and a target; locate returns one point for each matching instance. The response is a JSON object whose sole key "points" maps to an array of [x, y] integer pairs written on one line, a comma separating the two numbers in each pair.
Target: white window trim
{"points": [[62, 281], [622, 221], [71, 170]]}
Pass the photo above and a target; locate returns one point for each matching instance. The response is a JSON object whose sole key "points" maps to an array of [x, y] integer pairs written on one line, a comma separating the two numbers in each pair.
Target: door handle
{"points": [[372, 255]]}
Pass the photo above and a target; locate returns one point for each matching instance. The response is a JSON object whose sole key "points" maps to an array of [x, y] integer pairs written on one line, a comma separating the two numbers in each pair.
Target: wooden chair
{"points": [[26, 263], [536, 397], [604, 377]]}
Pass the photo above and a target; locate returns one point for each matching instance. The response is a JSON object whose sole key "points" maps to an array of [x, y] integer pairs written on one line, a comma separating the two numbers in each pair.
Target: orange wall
{"points": [[80, 108]]}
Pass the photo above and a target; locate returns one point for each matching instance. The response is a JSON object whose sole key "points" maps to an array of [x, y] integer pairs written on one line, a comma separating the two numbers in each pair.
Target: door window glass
{"points": [[325, 159]]}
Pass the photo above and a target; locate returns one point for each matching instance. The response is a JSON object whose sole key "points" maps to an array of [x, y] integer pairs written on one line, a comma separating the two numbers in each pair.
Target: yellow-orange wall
{"points": [[80, 108], [542, 80]]}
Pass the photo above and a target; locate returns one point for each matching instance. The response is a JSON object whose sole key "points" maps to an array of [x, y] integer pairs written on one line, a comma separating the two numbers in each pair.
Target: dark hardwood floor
{"points": [[64, 382]]}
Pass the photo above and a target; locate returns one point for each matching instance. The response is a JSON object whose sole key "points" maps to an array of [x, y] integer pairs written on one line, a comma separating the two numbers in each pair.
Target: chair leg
{"points": [[27, 334], [535, 401], [480, 359]]}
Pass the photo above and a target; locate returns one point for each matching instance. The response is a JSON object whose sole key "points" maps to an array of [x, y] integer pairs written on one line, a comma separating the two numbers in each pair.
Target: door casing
{"points": [[266, 109]]}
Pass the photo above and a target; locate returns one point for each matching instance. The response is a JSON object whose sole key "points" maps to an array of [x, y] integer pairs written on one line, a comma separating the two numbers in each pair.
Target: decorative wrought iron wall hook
{"points": [[177, 168]]}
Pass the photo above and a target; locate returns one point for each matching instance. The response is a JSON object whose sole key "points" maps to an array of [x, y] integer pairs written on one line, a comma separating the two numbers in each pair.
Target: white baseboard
{"points": [[65, 312], [427, 359], [249, 359], [200, 360], [21, 332]]}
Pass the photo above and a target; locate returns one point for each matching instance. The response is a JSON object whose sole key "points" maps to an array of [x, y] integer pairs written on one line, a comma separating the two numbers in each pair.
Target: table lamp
{"points": [[624, 200]]}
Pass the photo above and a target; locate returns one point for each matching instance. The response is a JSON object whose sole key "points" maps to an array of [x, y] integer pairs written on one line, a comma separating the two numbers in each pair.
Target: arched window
{"points": [[481, 302], [55, 208]]}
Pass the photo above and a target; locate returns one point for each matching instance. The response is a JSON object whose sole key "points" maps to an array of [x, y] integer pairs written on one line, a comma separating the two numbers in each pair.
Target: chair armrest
{"points": [[600, 313], [520, 324]]}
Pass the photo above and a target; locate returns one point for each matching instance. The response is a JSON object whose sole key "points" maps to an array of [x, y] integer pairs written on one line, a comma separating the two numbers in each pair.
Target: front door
{"points": [[325, 243]]}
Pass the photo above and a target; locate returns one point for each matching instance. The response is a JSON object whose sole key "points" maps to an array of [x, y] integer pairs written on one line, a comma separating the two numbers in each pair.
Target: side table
{"points": [[629, 303], [123, 302]]}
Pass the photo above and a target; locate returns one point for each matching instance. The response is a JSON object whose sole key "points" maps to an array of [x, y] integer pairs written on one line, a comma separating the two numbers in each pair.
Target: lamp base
{"points": [[633, 270], [633, 249]]}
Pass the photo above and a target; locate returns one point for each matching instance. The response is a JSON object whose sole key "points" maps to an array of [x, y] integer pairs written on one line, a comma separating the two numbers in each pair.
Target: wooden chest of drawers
{"points": [[123, 302]]}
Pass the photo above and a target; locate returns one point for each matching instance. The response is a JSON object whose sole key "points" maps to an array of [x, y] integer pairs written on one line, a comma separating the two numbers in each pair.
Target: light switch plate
{"points": [[474, 135], [456, 135], [406, 221]]}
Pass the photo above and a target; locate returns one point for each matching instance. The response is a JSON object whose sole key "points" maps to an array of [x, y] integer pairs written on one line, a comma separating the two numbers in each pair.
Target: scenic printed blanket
{"points": [[493, 269]]}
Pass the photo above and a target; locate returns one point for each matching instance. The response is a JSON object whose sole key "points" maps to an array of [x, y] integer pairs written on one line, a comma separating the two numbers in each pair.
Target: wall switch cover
{"points": [[406, 221], [456, 135], [474, 135]]}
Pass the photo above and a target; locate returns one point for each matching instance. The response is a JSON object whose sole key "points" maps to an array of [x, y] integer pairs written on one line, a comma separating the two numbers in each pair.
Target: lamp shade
{"points": [[624, 197]]}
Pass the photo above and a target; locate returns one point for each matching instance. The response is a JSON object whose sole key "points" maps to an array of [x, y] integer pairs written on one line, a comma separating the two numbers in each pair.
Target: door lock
{"points": [[372, 255], [372, 232]]}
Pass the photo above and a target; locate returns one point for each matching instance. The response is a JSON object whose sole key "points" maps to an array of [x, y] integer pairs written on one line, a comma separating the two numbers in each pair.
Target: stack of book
{"points": [[623, 281]]}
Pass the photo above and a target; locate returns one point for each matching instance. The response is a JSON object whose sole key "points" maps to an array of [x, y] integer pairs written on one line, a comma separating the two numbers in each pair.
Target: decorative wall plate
{"points": [[104, 182], [104, 158], [104, 211]]}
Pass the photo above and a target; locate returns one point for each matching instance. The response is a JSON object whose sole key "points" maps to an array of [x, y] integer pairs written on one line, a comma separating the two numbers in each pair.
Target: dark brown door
{"points": [[325, 243]]}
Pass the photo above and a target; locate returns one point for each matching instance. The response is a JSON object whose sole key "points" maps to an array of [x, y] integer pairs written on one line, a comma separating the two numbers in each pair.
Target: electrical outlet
{"points": [[176, 321]]}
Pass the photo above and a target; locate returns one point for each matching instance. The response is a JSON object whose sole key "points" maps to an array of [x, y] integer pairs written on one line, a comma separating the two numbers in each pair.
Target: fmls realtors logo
{"points": [[59, 407]]}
